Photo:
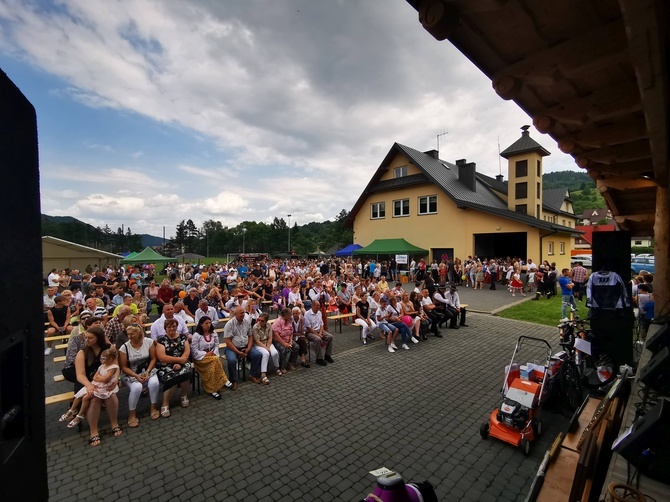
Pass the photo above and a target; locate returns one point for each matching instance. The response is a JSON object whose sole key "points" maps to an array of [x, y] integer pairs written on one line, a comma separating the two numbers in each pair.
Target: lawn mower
{"points": [[517, 421]]}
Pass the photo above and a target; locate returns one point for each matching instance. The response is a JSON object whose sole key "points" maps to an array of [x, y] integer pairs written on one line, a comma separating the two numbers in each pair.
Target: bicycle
{"points": [[585, 365]]}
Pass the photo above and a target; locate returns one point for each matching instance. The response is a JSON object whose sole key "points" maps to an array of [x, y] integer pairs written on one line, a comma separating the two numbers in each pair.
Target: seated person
{"points": [[128, 302], [205, 351], [59, 321], [262, 334]]}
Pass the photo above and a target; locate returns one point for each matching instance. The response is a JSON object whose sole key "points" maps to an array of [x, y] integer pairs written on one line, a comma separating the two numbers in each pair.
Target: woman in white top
{"points": [[137, 359]]}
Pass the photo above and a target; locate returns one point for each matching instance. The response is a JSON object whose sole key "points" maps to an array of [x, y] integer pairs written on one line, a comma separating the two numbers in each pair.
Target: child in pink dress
{"points": [[105, 381]]}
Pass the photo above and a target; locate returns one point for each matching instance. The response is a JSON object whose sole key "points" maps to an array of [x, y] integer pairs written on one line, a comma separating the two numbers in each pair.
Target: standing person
{"points": [[566, 294], [493, 270], [53, 279], [87, 363], [516, 284], [314, 328], [205, 351], [579, 277], [174, 369], [137, 359], [239, 341]]}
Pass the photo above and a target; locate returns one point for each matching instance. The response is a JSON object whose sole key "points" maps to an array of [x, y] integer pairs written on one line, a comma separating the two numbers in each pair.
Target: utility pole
{"points": [[289, 234]]}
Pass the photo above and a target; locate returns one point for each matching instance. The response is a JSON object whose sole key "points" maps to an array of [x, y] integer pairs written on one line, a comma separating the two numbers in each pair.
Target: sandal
{"points": [[133, 423], [155, 414], [165, 411], [279, 373], [184, 401], [75, 421], [284, 371], [216, 395], [229, 385], [94, 441], [117, 431], [68, 416], [255, 379], [265, 381], [305, 364]]}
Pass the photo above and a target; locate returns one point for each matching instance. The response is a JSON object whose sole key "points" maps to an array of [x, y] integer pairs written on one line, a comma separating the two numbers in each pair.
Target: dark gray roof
{"points": [[494, 184], [403, 181], [553, 198], [524, 144], [445, 176]]}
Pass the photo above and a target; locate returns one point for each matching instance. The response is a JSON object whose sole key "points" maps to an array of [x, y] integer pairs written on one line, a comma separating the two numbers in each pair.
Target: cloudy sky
{"points": [[150, 112]]}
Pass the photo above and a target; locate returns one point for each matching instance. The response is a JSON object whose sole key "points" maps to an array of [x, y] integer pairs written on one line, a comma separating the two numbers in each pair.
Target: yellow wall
{"points": [[398, 161], [534, 197]]}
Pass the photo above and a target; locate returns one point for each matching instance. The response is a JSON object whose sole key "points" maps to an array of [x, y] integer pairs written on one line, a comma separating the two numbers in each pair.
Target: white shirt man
{"points": [[204, 309], [158, 328], [314, 332], [455, 302]]}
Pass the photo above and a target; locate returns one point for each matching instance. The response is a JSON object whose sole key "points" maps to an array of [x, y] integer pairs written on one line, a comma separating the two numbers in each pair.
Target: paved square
{"points": [[314, 434]]}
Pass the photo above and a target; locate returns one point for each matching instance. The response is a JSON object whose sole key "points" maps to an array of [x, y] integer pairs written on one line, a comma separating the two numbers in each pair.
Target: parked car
{"points": [[638, 264], [644, 255], [584, 258]]}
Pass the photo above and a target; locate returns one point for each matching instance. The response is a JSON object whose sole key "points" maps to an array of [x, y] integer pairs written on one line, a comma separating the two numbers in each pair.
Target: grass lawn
{"points": [[543, 311]]}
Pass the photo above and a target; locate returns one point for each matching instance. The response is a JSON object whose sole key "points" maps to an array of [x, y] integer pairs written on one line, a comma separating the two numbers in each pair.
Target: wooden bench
{"points": [[59, 359], [59, 398], [57, 338], [59, 378], [338, 318]]}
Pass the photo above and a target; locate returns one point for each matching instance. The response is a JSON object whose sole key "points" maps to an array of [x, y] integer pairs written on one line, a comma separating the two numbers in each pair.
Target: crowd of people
{"points": [[106, 314]]}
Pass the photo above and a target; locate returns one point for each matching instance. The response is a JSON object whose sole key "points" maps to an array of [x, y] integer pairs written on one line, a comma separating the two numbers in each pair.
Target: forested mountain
{"points": [[582, 189], [211, 239]]}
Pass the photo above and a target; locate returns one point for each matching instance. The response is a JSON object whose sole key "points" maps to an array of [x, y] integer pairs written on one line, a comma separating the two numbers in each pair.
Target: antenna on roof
{"points": [[499, 165], [438, 140]]}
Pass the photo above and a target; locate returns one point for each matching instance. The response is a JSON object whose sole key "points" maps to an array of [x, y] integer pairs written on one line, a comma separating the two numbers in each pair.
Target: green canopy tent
{"points": [[147, 256], [130, 255], [390, 246]]}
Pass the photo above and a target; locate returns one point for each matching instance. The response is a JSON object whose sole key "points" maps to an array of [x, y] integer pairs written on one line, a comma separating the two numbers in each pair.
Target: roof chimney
{"points": [[466, 174], [433, 153], [499, 178]]}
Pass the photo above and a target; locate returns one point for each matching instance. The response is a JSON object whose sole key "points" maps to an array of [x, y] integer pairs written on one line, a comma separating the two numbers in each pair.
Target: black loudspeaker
{"points": [[614, 329], [658, 336], [656, 374], [611, 251], [22, 434], [646, 444]]}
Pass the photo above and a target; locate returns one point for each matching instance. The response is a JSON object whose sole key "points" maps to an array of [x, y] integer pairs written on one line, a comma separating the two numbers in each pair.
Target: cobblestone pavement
{"points": [[315, 434]]}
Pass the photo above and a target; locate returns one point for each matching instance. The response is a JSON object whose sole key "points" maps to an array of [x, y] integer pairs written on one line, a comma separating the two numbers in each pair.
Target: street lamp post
{"points": [[289, 234], [244, 234]]}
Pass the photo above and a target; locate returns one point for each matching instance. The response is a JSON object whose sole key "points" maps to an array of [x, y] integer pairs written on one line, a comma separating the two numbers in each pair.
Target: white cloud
{"points": [[303, 100]]}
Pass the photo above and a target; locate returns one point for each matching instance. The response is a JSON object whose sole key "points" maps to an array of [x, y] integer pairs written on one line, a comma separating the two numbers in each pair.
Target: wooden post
{"points": [[662, 254]]}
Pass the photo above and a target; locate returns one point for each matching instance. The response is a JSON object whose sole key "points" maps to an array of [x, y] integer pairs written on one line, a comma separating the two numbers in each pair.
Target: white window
{"points": [[550, 247], [562, 247], [428, 204], [400, 208], [378, 210], [399, 172]]}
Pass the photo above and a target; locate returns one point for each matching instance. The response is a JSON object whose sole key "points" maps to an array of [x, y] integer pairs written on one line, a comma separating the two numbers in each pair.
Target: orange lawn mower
{"points": [[518, 419]]}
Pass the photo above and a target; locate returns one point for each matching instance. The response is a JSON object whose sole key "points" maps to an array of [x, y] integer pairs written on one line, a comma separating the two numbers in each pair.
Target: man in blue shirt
{"points": [[566, 292], [242, 270]]}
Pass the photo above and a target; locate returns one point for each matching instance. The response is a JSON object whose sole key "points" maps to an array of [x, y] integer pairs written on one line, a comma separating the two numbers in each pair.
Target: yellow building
{"points": [[452, 210]]}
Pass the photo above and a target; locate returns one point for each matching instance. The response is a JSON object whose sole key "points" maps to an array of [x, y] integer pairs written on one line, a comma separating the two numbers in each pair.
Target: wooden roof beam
{"points": [[623, 184], [638, 150], [631, 170], [575, 56], [626, 219], [616, 133], [646, 23], [602, 104]]}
